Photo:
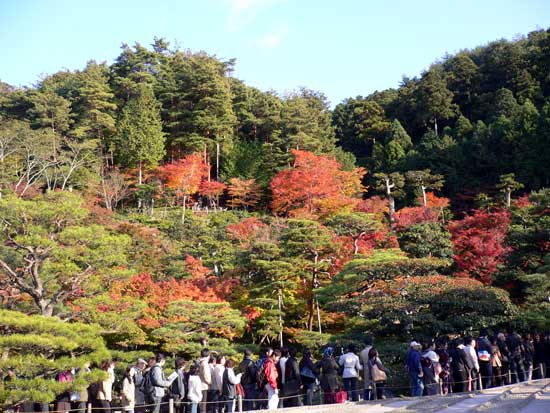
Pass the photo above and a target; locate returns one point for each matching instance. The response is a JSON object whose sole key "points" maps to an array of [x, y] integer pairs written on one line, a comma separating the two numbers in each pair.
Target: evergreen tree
{"points": [[140, 140]]}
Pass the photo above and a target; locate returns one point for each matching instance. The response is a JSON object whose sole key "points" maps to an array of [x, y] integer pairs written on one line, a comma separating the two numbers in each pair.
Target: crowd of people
{"points": [[279, 378]]}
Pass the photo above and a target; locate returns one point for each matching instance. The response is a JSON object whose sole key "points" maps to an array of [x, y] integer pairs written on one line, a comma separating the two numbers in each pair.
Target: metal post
{"points": [[375, 393], [89, 407], [480, 383], [240, 403], [171, 406]]}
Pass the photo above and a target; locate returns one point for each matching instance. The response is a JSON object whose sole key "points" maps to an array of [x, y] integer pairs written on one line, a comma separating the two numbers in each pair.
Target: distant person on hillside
{"points": [[352, 366]]}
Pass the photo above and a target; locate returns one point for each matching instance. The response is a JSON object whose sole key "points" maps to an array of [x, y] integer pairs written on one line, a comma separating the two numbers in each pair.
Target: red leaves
{"points": [[409, 216], [247, 230], [185, 175], [479, 244], [315, 186]]}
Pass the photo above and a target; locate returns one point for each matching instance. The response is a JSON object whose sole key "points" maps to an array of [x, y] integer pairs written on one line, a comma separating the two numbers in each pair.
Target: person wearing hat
{"points": [[328, 367], [412, 363], [138, 379]]}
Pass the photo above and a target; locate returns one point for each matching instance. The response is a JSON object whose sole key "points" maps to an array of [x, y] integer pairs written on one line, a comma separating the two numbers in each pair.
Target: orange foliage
{"points": [[185, 175], [247, 230], [315, 186], [409, 216], [376, 205], [433, 201], [243, 192], [212, 188]]}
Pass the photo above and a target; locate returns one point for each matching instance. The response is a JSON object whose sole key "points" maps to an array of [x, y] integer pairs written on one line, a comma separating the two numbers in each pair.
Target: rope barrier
{"points": [[299, 395]]}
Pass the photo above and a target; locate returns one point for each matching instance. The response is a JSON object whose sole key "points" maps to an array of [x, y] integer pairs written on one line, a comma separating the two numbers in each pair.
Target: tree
{"points": [[389, 153], [212, 190], [95, 104], [49, 249], [38, 348], [139, 132], [508, 184], [478, 242], [426, 240], [315, 186], [311, 249], [355, 225], [425, 180], [392, 186], [185, 176], [243, 193]]}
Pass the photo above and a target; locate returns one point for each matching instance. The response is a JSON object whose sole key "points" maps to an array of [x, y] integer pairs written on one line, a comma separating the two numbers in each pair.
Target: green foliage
{"points": [[38, 348], [429, 239]]}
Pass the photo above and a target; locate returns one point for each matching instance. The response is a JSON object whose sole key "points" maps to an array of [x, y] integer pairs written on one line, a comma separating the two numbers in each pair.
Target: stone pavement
{"points": [[531, 397]]}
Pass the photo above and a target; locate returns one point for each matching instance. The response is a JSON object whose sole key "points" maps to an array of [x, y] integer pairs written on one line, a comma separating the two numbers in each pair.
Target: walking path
{"points": [[531, 397]]}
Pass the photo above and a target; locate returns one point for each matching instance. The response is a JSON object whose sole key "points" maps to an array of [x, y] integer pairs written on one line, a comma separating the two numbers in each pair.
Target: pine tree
{"points": [[140, 140]]}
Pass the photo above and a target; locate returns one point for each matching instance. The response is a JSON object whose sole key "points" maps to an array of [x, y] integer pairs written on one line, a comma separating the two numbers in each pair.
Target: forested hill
{"points": [[470, 117]]}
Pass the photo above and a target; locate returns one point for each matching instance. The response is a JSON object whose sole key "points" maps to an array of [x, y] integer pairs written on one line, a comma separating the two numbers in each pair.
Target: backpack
{"points": [[93, 390], [341, 396], [147, 387], [261, 378]]}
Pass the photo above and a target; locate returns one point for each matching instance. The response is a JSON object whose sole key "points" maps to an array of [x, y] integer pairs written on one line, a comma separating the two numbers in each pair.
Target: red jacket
{"points": [[271, 373]]}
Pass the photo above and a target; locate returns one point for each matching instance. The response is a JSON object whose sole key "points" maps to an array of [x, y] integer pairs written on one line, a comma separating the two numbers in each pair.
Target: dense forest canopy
{"points": [[171, 204]]}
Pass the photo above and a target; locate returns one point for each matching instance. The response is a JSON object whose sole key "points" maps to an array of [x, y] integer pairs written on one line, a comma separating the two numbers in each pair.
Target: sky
{"points": [[342, 48]]}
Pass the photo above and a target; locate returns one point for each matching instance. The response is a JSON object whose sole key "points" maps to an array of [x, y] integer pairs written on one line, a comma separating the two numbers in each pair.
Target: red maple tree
{"points": [[315, 186], [478, 242]]}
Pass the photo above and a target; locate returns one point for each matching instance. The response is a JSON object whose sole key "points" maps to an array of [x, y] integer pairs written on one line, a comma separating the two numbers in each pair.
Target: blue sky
{"points": [[342, 48]]}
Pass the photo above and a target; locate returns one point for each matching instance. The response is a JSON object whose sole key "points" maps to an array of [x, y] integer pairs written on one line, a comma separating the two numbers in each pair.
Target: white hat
{"points": [[415, 344]]}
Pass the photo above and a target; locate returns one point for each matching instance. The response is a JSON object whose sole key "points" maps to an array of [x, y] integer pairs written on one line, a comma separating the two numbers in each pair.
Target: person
{"points": [[229, 385], [248, 380], [504, 357], [414, 368], [378, 374], [538, 358], [129, 390], [105, 393], [364, 358], [496, 363], [139, 396], [308, 376], [429, 362], [195, 393], [517, 354], [352, 366], [473, 364], [293, 380], [63, 401], [445, 376], [271, 376], [328, 368], [214, 392], [485, 358], [281, 365], [459, 366], [178, 387], [529, 355], [83, 397], [159, 382], [206, 378]]}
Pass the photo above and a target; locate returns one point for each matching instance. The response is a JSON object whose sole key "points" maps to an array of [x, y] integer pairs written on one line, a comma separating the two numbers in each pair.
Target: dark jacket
{"points": [[229, 384], [515, 346], [292, 374], [248, 370], [307, 364], [459, 361], [329, 373]]}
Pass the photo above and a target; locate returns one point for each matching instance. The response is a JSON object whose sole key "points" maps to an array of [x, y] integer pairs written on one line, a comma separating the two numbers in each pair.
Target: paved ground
{"points": [[532, 397]]}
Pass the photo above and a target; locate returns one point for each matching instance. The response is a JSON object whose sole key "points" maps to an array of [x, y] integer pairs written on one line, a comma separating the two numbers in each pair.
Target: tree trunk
{"points": [[318, 315], [508, 198], [435, 126], [140, 177], [183, 210], [280, 300], [424, 195], [217, 161]]}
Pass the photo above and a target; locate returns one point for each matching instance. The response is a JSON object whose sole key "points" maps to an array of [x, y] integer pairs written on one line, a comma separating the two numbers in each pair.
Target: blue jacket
{"points": [[413, 362]]}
